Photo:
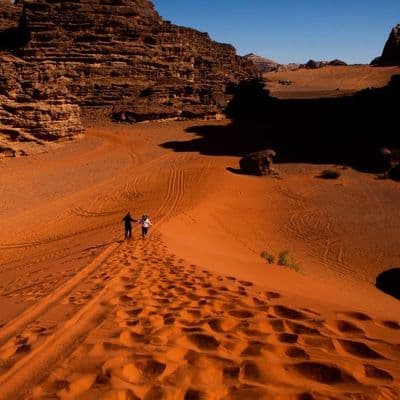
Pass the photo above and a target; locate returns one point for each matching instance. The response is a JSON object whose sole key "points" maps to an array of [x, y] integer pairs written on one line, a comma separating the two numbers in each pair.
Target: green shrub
{"points": [[269, 258], [285, 260]]}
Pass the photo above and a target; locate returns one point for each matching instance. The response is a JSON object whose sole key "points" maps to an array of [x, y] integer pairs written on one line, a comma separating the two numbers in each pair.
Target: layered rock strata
{"points": [[114, 55], [122, 54], [33, 111]]}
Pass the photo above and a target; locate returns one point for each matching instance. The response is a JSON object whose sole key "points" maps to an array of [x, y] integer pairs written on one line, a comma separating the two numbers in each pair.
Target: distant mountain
{"points": [[312, 64], [264, 64], [391, 51]]}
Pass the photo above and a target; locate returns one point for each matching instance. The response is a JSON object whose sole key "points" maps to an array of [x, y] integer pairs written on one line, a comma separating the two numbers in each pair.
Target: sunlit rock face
{"points": [[122, 54], [116, 56]]}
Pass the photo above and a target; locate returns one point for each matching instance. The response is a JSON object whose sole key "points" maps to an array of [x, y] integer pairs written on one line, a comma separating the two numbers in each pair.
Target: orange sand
{"points": [[329, 81], [192, 312]]}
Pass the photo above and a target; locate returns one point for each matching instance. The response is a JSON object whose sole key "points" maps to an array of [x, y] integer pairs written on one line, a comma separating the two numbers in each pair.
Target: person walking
{"points": [[145, 223], [128, 225]]}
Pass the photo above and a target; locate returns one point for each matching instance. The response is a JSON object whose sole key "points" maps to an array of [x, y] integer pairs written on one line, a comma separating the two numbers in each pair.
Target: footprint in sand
{"points": [[296, 352], [359, 349], [277, 325], [204, 342], [287, 338], [391, 324], [289, 313], [272, 295], [301, 329], [376, 373], [322, 373], [241, 314], [347, 328], [250, 371], [254, 349], [222, 325], [359, 316]]}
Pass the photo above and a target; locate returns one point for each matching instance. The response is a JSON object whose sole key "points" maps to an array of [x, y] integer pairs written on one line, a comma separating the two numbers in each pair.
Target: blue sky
{"points": [[291, 31]]}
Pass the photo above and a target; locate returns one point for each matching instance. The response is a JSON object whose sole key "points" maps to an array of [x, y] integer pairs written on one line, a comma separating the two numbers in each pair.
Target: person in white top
{"points": [[146, 223]]}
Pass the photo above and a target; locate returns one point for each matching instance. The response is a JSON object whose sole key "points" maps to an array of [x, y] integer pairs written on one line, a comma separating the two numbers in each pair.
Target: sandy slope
{"points": [[193, 312], [329, 81]]}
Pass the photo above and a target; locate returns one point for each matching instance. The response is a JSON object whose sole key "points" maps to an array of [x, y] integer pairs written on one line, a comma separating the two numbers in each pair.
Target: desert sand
{"points": [[330, 81], [193, 311]]}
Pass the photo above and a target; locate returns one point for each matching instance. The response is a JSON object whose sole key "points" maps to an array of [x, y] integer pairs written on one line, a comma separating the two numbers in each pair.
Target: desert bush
{"points": [[329, 174], [285, 260], [269, 258]]}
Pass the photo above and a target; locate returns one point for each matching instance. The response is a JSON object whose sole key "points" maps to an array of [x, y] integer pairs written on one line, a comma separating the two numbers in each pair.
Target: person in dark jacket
{"points": [[128, 225]]}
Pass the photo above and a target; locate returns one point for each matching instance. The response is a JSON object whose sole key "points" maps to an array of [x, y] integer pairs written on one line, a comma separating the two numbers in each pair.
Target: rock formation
{"points": [[9, 14], [125, 55], [312, 64], [119, 56], [258, 163], [263, 64], [30, 116], [391, 52]]}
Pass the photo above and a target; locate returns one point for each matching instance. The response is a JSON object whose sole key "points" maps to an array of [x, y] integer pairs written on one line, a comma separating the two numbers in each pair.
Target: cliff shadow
{"points": [[348, 130], [210, 139]]}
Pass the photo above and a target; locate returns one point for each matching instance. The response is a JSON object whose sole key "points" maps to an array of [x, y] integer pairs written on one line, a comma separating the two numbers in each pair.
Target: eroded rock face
{"points": [[30, 115], [114, 55], [391, 51], [122, 54], [9, 14]]}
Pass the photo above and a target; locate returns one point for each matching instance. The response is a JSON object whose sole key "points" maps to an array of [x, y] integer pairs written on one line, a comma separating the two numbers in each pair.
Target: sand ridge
{"points": [[192, 312], [172, 330]]}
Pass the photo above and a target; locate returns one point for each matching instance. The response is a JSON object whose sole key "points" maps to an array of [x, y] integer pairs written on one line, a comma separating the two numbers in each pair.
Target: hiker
{"points": [[128, 225], [145, 222]]}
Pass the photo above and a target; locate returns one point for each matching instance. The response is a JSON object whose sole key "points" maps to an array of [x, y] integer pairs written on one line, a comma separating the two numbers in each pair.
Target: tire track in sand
{"points": [[174, 195], [35, 366], [32, 313]]}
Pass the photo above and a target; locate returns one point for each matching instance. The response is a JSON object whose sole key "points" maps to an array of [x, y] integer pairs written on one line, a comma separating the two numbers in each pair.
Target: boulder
{"points": [[258, 163]]}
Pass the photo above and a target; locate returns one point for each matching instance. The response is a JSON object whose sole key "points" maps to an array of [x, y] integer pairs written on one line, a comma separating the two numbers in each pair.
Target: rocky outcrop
{"points": [[258, 163], [9, 14], [337, 63], [312, 64], [124, 54], [119, 56], [31, 116], [391, 52], [263, 64]]}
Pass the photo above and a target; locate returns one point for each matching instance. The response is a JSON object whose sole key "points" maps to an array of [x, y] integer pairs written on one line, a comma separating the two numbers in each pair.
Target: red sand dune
{"points": [[192, 312]]}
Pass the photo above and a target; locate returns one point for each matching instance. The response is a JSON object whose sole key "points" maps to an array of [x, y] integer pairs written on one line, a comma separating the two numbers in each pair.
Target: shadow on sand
{"points": [[347, 131], [389, 282]]}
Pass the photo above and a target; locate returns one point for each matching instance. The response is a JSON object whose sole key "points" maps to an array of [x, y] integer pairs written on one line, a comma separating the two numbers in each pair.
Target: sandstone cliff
{"points": [[31, 117], [116, 56]]}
